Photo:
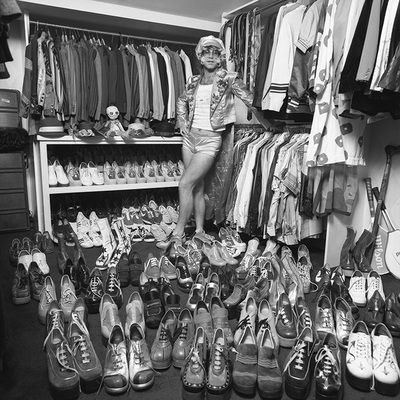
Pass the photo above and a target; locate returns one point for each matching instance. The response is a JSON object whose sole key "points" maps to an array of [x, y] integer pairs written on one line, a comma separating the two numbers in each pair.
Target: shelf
{"points": [[111, 188], [262, 5], [92, 140]]}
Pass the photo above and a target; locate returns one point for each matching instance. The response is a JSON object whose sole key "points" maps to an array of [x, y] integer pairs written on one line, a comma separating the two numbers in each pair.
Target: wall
{"points": [[376, 137]]}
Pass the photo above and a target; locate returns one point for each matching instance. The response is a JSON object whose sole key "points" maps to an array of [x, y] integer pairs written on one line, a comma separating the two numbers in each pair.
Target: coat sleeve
{"points": [[182, 110], [241, 91]]}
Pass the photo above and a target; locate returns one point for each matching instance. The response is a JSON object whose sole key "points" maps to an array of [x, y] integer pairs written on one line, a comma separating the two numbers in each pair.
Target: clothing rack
{"points": [[84, 30]]}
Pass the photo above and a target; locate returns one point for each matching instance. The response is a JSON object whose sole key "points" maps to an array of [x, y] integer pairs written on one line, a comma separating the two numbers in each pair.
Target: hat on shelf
{"points": [[164, 128], [51, 126]]}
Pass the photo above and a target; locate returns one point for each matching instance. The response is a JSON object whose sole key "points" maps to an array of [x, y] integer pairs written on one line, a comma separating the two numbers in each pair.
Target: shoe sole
{"points": [[226, 395], [21, 300], [277, 395], [142, 386], [287, 343], [358, 383], [247, 391], [68, 393], [90, 385], [161, 364], [300, 393], [187, 395], [112, 390]]}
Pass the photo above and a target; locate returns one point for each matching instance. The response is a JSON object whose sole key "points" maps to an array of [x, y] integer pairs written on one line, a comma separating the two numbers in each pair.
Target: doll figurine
{"points": [[113, 126]]}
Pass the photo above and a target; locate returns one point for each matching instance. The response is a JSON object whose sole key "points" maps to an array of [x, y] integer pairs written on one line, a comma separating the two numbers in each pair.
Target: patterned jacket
{"points": [[222, 108]]}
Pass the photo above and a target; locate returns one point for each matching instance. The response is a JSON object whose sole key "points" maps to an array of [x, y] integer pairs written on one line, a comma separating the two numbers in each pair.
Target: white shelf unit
{"points": [[43, 191]]}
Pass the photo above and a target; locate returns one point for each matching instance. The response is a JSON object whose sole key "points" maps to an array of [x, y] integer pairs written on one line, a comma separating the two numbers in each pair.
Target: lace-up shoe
{"points": [[151, 271], [62, 374], [245, 366], [184, 338], [266, 320], [167, 268], [21, 292], [303, 317], [36, 280], [193, 370], [247, 318], [161, 350], [375, 311], [328, 371], [359, 369], [95, 291], [113, 286], [297, 370], [219, 378], [116, 370], [68, 296], [344, 321], [384, 362], [47, 295], [357, 288], [374, 282], [86, 361], [324, 321], [202, 317], [183, 276], [285, 322]]}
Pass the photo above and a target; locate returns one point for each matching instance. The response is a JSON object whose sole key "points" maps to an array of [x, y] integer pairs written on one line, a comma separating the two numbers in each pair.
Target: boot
{"points": [[81, 265], [109, 244], [364, 241], [346, 255], [123, 246], [62, 255]]}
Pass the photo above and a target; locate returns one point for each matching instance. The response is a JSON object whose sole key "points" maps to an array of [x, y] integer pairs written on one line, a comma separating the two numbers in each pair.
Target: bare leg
{"points": [[196, 167], [199, 205]]}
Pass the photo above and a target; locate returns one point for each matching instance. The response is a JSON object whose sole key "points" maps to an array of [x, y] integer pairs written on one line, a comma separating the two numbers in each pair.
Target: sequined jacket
{"points": [[222, 107]]}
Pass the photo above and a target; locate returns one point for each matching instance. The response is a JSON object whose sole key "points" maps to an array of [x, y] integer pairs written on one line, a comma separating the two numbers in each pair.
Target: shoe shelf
{"points": [[43, 191]]}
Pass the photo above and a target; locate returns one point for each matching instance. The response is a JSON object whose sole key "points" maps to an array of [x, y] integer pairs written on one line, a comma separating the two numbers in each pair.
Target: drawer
{"points": [[17, 220], [12, 201], [8, 119], [12, 180], [11, 160]]}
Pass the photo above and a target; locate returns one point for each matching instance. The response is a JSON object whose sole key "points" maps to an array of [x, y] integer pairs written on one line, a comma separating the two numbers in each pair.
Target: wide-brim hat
{"points": [[208, 41]]}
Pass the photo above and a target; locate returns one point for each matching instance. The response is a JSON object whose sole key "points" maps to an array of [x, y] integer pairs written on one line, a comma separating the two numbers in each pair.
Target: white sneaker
{"points": [[40, 260], [82, 223], [148, 172], [25, 258], [140, 178], [62, 178], [359, 370], [95, 237], [167, 173], [384, 362], [95, 174], [173, 214], [157, 171], [84, 240], [357, 286], [374, 282], [52, 175], [130, 174], [166, 217], [158, 233], [93, 220], [153, 205], [84, 173]]}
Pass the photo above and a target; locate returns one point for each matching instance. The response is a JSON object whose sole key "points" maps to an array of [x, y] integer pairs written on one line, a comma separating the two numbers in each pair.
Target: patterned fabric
{"points": [[333, 139]]}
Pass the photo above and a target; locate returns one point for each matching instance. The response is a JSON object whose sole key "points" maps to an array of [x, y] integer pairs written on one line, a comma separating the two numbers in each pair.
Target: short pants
{"points": [[202, 141]]}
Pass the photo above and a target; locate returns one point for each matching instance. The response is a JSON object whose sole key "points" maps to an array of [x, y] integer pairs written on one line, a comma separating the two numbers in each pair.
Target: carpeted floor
{"points": [[24, 375]]}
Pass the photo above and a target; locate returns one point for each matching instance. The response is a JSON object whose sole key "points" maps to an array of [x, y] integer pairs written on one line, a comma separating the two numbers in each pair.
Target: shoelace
{"points": [[306, 318], [262, 326], [55, 323], [182, 332], [358, 284], [375, 283], [165, 334], [80, 344], [94, 284], [329, 362], [386, 354], [247, 262], [47, 295], [363, 346], [68, 296], [326, 318], [253, 270], [244, 322], [297, 356], [62, 356], [23, 281], [117, 363], [220, 355], [346, 324], [113, 283], [282, 314]]}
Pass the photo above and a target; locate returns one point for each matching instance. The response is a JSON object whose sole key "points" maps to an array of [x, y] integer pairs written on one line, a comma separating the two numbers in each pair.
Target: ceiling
{"points": [[209, 10], [121, 19]]}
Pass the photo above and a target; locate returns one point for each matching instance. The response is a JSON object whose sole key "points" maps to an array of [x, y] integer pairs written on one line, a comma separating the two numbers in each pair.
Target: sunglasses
{"points": [[211, 51]]}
